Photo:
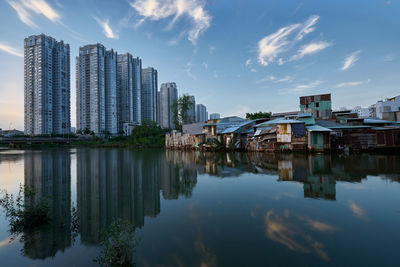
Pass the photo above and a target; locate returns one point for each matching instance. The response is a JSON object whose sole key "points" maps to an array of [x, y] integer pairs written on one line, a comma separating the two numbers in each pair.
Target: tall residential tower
{"points": [[149, 94], [168, 95], [96, 89], [46, 87], [129, 83], [201, 113]]}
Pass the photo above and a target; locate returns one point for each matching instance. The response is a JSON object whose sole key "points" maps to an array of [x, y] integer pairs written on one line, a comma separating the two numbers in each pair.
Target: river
{"points": [[208, 209]]}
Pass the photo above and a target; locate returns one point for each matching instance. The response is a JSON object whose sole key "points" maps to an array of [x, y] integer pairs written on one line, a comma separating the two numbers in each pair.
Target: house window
{"points": [[317, 105]]}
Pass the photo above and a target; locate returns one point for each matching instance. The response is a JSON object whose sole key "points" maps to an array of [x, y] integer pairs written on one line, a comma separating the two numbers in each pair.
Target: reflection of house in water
{"points": [[49, 174], [178, 174]]}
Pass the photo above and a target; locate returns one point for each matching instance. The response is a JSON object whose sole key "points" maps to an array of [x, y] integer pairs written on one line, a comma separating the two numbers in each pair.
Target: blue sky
{"points": [[235, 56]]}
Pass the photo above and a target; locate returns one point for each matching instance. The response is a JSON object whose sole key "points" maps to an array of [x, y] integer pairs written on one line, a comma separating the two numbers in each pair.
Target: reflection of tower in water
{"points": [[48, 173], [115, 183]]}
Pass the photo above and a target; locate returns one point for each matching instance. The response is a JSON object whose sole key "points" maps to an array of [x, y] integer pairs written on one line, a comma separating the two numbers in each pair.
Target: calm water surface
{"points": [[196, 209]]}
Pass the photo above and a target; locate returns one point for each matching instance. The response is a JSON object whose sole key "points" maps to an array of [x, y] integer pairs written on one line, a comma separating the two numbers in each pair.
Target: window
{"points": [[317, 105]]}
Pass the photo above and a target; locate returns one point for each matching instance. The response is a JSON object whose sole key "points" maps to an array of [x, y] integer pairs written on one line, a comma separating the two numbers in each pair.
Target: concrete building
{"points": [[365, 112], [46, 86], [191, 113], [215, 116], [129, 84], [201, 113], [96, 89], [149, 94], [388, 106], [319, 105], [168, 95]]}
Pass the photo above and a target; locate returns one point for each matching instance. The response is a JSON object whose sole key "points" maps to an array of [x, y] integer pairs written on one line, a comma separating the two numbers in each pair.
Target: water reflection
{"points": [[128, 184], [49, 174]]}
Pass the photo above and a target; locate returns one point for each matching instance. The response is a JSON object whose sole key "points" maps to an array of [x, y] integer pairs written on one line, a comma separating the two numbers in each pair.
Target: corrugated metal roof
{"points": [[317, 128], [278, 121], [376, 121], [231, 129], [304, 114]]}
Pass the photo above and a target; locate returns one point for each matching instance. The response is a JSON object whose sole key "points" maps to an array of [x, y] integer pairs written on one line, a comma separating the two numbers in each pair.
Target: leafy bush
{"points": [[147, 134], [118, 245], [24, 212]]}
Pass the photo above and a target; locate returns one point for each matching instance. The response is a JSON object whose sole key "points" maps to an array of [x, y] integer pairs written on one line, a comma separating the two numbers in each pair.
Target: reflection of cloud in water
{"points": [[320, 226], [208, 258], [357, 210], [279, 229], [353, 186], [5, 242]]}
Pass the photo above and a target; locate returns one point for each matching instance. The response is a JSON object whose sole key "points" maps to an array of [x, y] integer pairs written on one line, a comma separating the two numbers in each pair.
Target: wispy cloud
{"points": [[389, 58], [350, 60], [24, 9], [211, 49], [11, 50], [248, 62], [303, 88], [310, 49], [271, 47], [105, 25], [272, 78], [350, 84], [194, 10], [205, 65]]}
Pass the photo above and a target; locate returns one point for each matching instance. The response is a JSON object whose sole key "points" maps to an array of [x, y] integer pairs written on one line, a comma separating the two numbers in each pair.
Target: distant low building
{"points": [[387, 106], [128, 127], [319, 105], [11, 133], [365, 112], [215, 116]]}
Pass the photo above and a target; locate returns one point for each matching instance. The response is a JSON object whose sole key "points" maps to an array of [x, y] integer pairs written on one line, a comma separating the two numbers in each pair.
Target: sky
{"points": [[234, 56]]}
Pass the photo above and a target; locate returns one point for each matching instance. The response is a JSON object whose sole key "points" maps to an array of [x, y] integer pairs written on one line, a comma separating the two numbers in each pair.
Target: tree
{"points": [[86, 131], [258, 115], [180, 110]]}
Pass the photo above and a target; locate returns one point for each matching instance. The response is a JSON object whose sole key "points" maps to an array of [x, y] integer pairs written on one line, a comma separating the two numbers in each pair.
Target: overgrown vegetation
{"points": [[147, 134], [118, 245], [258, 115], [25, 212], [180, 110]]}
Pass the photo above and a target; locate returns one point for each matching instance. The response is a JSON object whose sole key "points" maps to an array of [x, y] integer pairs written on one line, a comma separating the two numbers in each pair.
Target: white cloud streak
{"points": [[24, 9], [303, 88], [310, 49], [105, 25], [350, 84], [350, 60], [272, 46], [162, 9], [11, 50]]}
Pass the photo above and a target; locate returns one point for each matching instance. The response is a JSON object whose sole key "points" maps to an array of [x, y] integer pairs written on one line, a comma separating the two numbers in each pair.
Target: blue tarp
{"points": [[298, 129]]}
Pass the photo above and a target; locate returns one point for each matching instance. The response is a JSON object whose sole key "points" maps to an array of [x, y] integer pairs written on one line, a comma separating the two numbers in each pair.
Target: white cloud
{"points": [[349, 84], [308, 27], [357, 210], [272, 46], [310, 49], [205, 65], [253, 70], [24, 9], [211, 50], [272, 78], [284, 79], [11, 50], [161, 9], [108, 32], [248, 62], [303, 88], [350, 60], [389, 58]]}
